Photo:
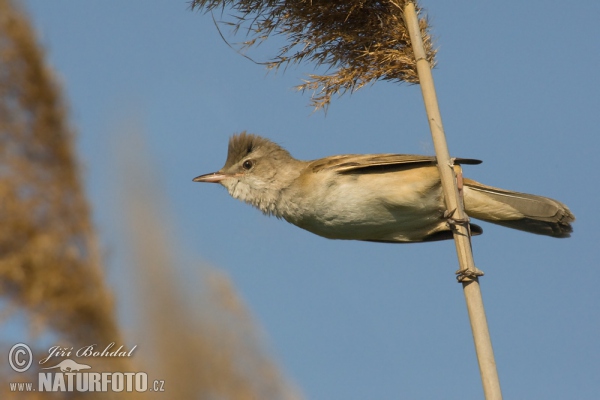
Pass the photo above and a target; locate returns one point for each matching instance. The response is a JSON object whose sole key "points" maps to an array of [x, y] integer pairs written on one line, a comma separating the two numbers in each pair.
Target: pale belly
{"points": [[401, 206]]}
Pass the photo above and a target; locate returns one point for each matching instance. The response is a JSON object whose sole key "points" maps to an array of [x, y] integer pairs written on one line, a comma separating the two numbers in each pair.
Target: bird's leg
{"points": [[448, 214], [452, 222], [466, 274]]}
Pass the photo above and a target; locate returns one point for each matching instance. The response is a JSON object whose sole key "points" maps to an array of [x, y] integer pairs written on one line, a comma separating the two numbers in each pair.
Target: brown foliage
{"points": [[199, 337], [362, 41], [48, 251], [51, 271]]}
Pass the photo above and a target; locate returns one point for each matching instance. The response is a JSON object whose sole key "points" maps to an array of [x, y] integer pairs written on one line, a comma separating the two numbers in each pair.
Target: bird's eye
{"points": [[248, 164]]}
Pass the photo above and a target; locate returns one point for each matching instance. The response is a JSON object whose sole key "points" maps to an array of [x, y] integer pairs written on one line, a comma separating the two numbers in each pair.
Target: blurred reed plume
{"points": [[49, 262], [362, 41], [195, 333], [51, 271]]}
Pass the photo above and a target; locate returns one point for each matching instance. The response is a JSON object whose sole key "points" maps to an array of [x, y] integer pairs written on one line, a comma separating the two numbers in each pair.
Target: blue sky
{"points": [[518, 88]]}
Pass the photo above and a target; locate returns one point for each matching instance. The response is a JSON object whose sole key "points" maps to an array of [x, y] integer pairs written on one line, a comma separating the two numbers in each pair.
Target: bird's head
{"points": [[256, 171]]}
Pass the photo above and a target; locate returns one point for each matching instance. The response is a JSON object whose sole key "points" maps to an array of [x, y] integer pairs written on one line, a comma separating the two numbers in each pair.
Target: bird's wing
{"points": [[364, 163], [434, 237]]}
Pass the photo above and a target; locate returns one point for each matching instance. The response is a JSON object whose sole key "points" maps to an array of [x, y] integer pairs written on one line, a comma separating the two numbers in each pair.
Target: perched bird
{"points": [[374, 197]]}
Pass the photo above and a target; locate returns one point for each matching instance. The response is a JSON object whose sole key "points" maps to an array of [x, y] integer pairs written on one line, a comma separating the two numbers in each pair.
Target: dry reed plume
{"points": [[50, 269], [198, 337], [362, 41], [49, 264]]}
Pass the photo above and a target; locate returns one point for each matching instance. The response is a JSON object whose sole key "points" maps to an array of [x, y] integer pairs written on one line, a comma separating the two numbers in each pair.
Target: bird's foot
{"points": [[451, 221], [468, 274]]}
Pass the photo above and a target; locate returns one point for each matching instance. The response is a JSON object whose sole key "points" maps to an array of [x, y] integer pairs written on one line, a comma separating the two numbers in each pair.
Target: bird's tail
{"points": [[526, 212]]}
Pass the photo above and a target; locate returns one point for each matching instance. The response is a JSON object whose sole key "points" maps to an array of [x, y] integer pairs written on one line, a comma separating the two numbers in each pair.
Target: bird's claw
{"points": [[451, 221], [449, 214], [468, 274]]}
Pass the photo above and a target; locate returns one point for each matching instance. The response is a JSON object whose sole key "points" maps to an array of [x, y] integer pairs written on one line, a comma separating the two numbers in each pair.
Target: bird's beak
{"points": [[214, 177]]}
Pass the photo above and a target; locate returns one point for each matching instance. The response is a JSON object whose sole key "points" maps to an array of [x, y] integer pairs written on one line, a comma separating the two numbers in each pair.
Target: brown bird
{"points": [[374, 197]]}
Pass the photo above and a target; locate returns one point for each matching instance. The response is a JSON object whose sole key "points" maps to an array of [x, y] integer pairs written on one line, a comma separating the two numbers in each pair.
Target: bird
{"points": [[390, 198]]}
